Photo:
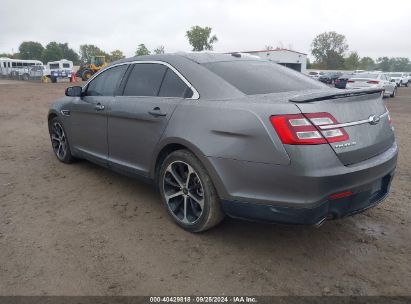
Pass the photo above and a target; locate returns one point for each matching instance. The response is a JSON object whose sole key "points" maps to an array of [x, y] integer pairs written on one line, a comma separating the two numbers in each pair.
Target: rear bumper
{"points": [[361, 200], [299, 192]]}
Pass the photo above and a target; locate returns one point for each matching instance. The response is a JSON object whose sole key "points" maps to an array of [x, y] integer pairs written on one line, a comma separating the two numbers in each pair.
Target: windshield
{"points": [[262, 77]]}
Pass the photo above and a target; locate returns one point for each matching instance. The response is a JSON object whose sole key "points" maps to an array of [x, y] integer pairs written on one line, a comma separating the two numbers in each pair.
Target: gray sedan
{"points": [[224, 134]]}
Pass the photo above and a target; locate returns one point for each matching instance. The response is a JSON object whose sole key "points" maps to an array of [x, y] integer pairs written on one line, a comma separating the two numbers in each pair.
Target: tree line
{"points": [[200, 38], [330, 51]]}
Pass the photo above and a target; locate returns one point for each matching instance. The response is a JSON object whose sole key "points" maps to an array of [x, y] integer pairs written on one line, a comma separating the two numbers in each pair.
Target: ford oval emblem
{"points": [[374, 119]]}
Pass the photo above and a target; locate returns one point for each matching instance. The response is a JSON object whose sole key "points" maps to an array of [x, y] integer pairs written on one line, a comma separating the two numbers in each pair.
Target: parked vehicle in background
{"points": [[315, 74], [225, 135], [88, 69], [373, 80], [59, 69], [16, 67], [341, 82], [401, 79], [329, 77], [34, 72]]}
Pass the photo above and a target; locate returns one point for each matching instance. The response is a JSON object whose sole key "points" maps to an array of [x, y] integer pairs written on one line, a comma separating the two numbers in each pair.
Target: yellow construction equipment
{"points": [[90, 68]]}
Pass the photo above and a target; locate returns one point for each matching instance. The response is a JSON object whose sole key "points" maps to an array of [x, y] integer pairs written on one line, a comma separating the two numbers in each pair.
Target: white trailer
{"points": [[59, 69]]}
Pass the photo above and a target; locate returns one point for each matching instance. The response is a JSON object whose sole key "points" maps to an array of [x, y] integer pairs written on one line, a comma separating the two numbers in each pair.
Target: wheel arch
{"points": [[51, 114], [174, 144]]}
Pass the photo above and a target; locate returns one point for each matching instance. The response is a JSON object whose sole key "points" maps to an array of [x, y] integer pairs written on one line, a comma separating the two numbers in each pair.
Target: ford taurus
{"points": [[228, 134]]}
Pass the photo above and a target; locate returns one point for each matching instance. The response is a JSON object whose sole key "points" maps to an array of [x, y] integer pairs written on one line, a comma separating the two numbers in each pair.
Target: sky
{"points": [[372, 28]]}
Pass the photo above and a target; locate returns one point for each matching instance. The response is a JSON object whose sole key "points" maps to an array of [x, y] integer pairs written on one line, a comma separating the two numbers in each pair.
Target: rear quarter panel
{"points": [[229, 129]]}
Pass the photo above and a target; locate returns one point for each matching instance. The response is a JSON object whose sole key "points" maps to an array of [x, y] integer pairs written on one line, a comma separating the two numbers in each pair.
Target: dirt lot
{"points": [[83, 230]]}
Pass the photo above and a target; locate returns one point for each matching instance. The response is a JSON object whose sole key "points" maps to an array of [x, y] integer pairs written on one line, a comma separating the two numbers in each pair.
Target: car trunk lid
{"points": [[361, 113]]}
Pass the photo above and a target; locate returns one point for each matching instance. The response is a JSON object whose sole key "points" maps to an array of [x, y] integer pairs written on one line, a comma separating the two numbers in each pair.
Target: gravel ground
{"points": [[83, 230]]}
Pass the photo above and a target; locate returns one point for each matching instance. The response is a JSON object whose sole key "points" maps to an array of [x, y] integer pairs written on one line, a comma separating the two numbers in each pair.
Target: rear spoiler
{"points": [[318, 96]]}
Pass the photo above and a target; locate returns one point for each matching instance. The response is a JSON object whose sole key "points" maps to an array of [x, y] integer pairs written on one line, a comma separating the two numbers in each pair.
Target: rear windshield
{"points": [[262, 77]]}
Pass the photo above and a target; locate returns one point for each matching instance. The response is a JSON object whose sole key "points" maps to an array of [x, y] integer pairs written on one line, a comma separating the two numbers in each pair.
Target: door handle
{"points": [[99, 107], [156, 112]]}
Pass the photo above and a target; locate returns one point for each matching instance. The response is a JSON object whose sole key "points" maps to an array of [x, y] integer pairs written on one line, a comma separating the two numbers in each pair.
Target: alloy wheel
{"points": [[184, 192], [58, 140]]}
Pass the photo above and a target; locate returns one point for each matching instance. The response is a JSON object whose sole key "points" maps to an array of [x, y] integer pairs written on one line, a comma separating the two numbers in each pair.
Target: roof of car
{"points": [[197, 57]]}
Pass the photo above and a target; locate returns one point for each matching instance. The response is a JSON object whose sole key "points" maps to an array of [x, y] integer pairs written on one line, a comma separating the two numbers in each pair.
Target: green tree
{"points": [[159, 50], [52, 52], [328, 49], [89, 50], [399, 64], [142, 50], [68, 53], [116, 55], [352, 62], [367, 63], [199, 38], [31, 50], [7, 55], [383, 63]]}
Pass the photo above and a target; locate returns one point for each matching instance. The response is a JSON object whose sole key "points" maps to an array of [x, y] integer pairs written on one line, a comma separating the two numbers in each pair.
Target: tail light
{"points": [[303, 129], [350, 81], [337, 81], [373, 81]]}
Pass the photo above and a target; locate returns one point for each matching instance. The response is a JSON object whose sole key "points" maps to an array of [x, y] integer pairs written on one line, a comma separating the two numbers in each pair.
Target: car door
{"points": [[88, 115], [139, 117]]}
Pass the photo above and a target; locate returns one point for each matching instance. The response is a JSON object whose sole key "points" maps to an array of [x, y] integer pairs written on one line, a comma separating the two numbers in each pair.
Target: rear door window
{"points": [[145, 79], [174, 86], [106, 83]]}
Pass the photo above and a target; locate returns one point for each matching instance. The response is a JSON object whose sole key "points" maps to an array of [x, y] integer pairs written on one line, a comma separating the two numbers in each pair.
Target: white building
{"points": [[292, 59]]}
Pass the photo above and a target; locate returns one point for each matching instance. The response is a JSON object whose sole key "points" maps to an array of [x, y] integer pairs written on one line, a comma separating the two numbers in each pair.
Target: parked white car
{"points": [[401, 79], [315, 74], [373, 80]]}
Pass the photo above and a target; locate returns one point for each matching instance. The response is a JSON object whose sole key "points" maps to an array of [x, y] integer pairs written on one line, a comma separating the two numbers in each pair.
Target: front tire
{"points": [[188, 193], [86, 75], [59, 141]]}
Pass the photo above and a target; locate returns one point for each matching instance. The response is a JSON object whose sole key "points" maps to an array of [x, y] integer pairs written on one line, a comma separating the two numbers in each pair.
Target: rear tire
{"points": [[188, 193]]}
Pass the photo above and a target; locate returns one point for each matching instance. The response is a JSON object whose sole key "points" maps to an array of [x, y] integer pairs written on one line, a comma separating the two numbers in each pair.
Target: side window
{"points": [[173, 86], [145, 79], [107, 82]]}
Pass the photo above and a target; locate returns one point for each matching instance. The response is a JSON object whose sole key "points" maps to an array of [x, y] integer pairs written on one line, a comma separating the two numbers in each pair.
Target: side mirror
{"points": [[392, 80], [74, 91]]}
